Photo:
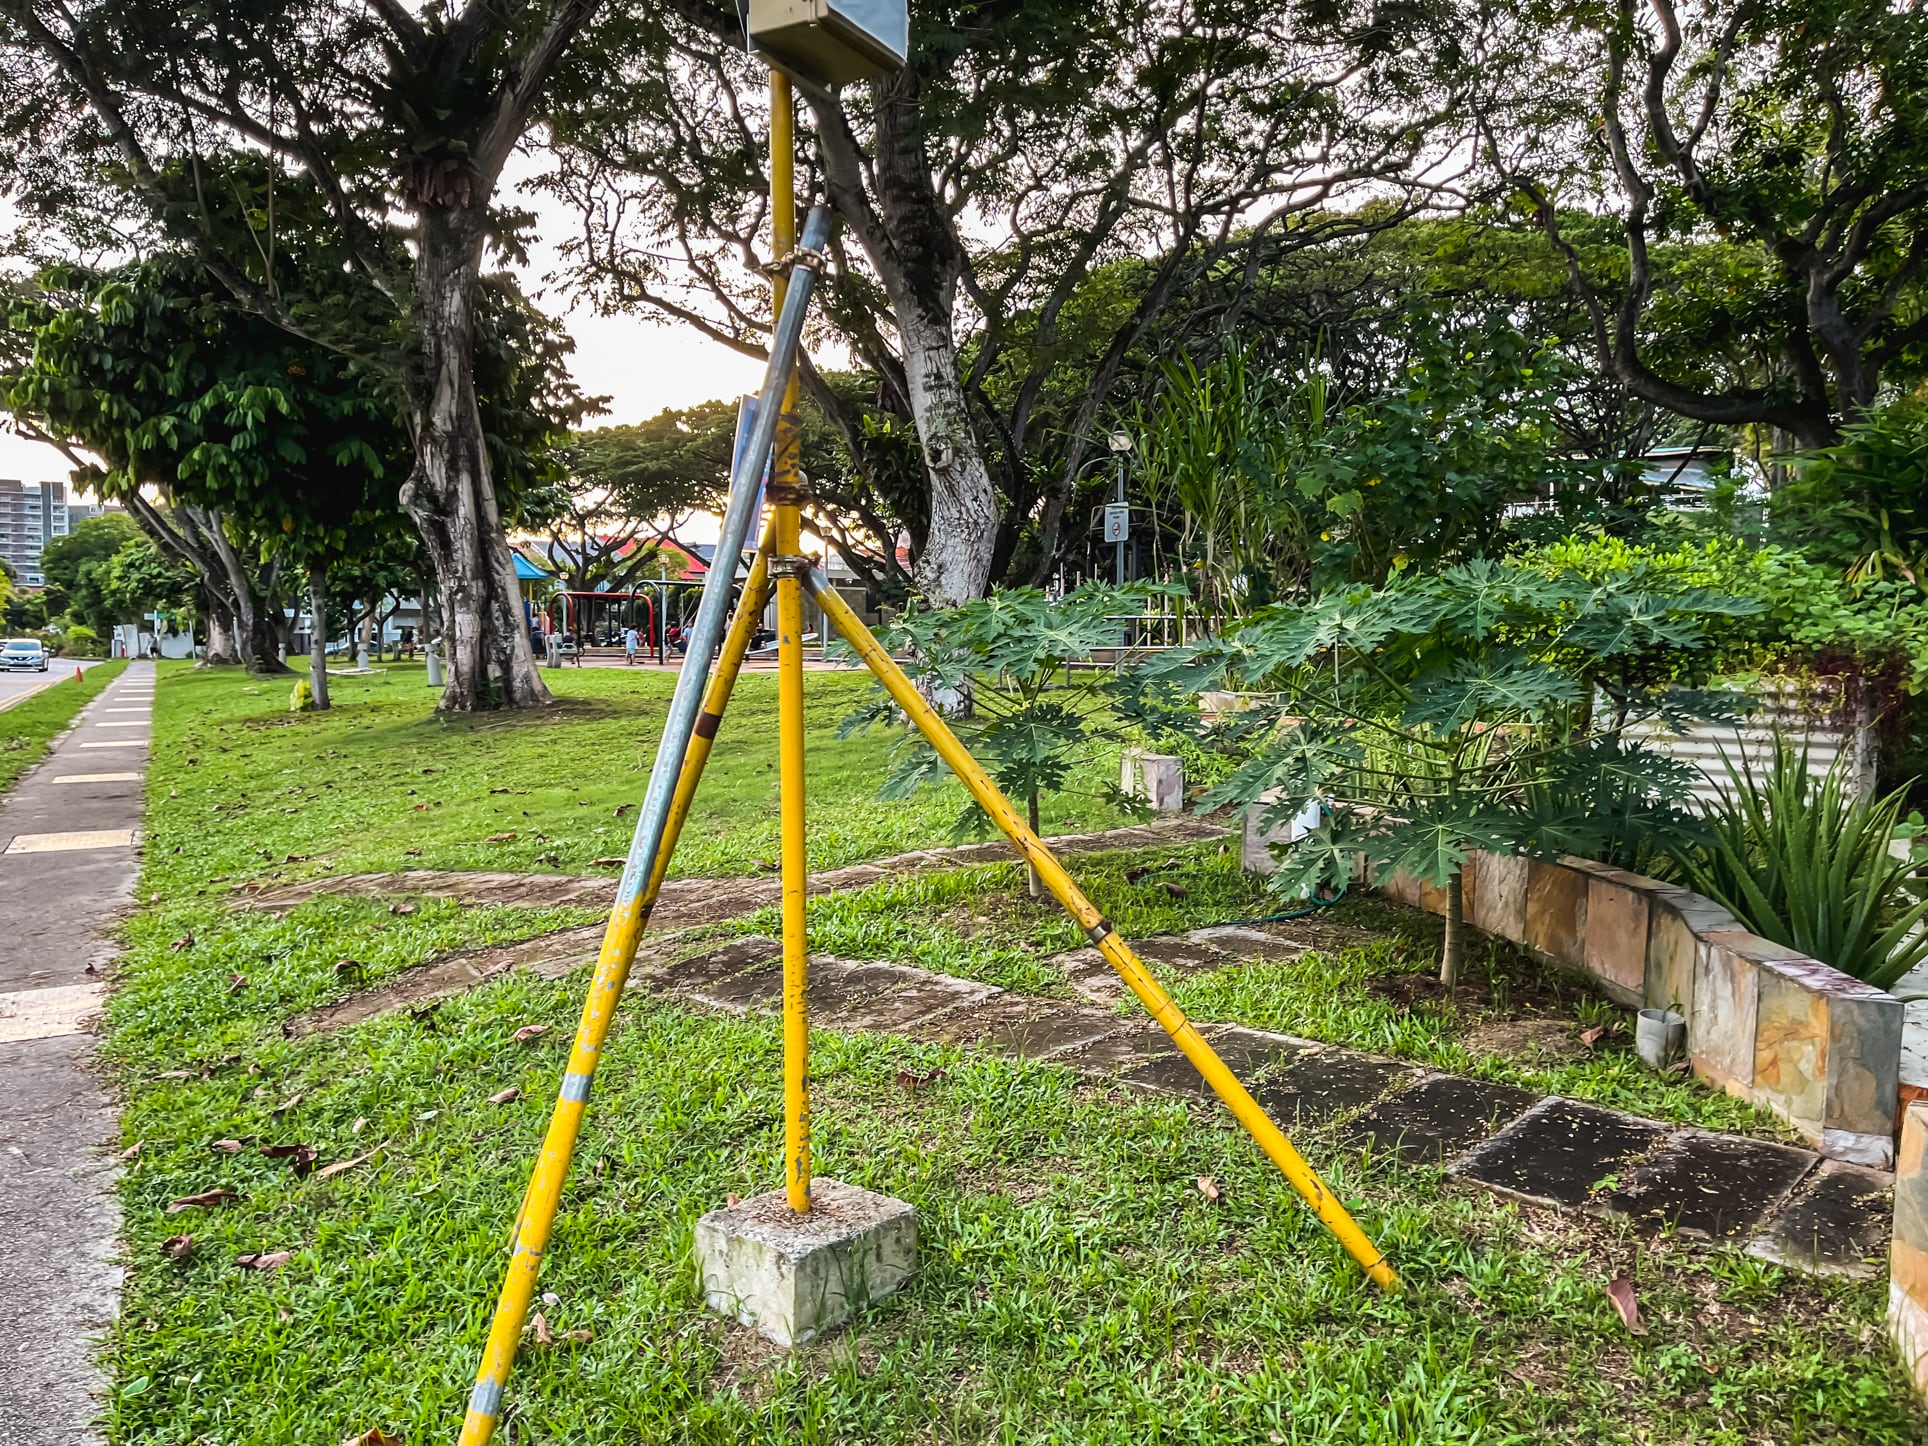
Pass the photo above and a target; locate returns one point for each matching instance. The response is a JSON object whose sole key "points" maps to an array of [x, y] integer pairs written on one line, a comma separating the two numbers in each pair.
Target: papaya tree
{"points": [[1487, 706]]}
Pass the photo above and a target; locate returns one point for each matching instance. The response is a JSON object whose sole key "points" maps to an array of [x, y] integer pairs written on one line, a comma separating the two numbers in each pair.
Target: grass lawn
{"points": [[1076, 1284], [27, 728]]}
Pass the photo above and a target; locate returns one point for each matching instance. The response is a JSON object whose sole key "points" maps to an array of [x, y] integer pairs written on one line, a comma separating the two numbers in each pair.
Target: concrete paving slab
{"points": [[1837, 1223], [1325, 1083], [1560, 1151], [49, 1013], [1710, 1187], [89, 838], [1023, 1026], [1438, 1118]]}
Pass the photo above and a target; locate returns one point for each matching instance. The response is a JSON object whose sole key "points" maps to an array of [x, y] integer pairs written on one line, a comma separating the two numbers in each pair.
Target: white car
{"points": [[23, 653]]}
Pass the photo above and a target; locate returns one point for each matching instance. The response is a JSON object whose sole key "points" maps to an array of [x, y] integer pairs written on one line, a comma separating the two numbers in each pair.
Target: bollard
{"points": [[434, 656]]}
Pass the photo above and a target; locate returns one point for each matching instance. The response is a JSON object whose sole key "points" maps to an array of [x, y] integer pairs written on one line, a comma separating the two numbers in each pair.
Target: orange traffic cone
{"points": [[76, 672]]}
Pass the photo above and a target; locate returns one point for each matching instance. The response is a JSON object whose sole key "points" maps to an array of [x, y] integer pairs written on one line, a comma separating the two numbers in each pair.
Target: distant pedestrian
{"points": [[632, 640]]}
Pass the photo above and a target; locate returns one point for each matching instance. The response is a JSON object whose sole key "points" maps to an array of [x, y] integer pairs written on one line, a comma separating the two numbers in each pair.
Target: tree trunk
{"points": [[217, 617], [1455, 946], [955, 566], [450, 495], [318, 635]]}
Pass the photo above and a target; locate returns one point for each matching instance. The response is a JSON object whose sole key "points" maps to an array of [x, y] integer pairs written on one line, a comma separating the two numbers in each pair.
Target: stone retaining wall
{"points": [[1908, 1251], [1819, 1049]]}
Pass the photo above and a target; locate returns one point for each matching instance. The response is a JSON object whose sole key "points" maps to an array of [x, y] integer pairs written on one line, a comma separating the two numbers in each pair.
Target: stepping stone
{"points": [[1437, 1118], [1558, 1151], [1711, 1187], [913, 995], [1245, 942], [1180, 954], [748, 992], [1129, 1048], [1028, 1028], [1327, 1082], [701, 970], [841, 990], [1247, 1053], [1837, 1224]]}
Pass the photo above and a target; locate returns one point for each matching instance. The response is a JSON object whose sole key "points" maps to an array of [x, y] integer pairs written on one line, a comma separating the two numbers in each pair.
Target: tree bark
{"points": [[217, 617], [318, 635], [450, 494], [1454, 951], [955, 566], [915, 249]]}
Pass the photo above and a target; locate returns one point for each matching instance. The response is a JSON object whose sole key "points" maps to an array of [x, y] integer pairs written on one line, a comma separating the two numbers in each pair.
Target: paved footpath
{"points": [[68, 863]]}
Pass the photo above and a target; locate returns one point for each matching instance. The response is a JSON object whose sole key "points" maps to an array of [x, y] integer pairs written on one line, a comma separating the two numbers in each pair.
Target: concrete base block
{"points": [[793, 1277]]}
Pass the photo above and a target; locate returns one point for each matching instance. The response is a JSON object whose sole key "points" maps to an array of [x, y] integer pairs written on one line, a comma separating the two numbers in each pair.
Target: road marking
{"points": [[125, 710], [87, 838], [121, 724], [124, 743], [98, 778], [48, 1013]]}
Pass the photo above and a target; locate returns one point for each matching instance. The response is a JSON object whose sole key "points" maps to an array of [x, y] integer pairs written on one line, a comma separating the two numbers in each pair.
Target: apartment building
{"points": [[32, 514]]}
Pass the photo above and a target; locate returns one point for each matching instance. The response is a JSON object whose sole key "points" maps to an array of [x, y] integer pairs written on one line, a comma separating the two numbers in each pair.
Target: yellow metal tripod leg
{"points": [[626, 923], [1332, 1214]]}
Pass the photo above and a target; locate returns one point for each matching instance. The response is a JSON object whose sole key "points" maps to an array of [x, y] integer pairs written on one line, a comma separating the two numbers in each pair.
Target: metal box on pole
{"points": [[832, 42]]}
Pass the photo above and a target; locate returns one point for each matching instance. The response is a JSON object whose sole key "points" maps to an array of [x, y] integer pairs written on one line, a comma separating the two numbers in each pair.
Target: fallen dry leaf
{"points": [[361, 1123], [175, 1074], [1208, 1187], [1591, 1037], [529, 1032], [328, 1172], [236, 983], [132, 1150], [186, 941], [508, 837], [503, 1097], [206, 1197], [403, 909], [578, 1337], [177, 1247], [265, 1260], [287, 1104], [227, 1147], [1620, 1294], [373, 1436], [1177, 891], [731, 1200], [916, 1082], [350, 966], [607, 863], [540, 1326], [621, 809], [302, 1157]]}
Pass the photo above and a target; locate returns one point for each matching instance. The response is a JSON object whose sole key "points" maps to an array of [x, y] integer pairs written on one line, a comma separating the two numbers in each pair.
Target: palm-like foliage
{"points": [[1805, 862], [1482, 707], [1034, 722]]}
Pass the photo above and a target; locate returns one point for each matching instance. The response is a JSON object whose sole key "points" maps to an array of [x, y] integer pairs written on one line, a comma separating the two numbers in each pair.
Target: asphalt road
{"points": [[15, 686], [68, 863]]}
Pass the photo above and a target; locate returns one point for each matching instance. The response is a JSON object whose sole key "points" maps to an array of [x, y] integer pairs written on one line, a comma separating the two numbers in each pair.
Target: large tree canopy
{"points": [[983, 193], [1789, 137], [387, 126]]}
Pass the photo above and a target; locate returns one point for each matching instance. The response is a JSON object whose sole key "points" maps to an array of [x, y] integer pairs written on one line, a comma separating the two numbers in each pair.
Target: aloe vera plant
{"points": [[1805, 862]]}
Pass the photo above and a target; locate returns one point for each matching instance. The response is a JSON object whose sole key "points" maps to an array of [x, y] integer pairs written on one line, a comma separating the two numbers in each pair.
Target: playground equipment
{"points": [[695, 714]]}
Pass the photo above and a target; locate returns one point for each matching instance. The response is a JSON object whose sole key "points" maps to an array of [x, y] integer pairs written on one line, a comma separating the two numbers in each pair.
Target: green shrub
{"points": [[1803, 862], [81, 641]]}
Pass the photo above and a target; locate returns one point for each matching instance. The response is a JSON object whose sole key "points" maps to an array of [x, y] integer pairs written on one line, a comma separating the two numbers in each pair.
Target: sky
{"points": [[641, 366]]}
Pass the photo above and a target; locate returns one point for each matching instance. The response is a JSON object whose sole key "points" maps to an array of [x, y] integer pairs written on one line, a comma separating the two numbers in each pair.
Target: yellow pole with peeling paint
{"points": [[1332, 1214]]}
